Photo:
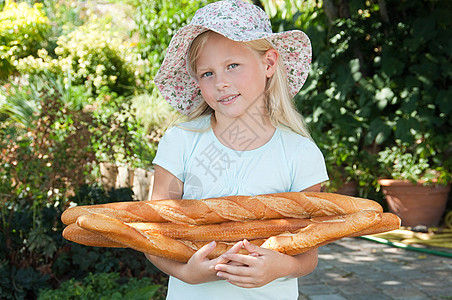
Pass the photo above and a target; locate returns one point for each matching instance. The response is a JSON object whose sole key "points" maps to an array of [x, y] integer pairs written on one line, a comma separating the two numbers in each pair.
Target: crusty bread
{"points": [[226, 232], [290, 223], [121, 233], [103, 231], [322, 231], [231, 208], [389, 221], [78, 235]]}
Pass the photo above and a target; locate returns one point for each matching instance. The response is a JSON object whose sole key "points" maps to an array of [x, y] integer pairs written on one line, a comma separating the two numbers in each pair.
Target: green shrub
{"points": [[33, 254], [380, 74], [51, 139], [154, 113], [91, 56], [103, 286], [23, 29], [157, 22]]}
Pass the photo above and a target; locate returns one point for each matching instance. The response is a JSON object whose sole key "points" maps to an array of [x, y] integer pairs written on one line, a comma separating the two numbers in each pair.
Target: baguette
{"points": [[81, 236], [231, 208], [85, 237], [121, 233], [78, 235], [389, 221], [226, 232], [322, 232]]}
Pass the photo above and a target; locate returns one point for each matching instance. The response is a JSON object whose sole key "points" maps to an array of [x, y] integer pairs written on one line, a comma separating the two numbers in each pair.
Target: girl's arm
{"points": [[199, 268], [264, 265]]}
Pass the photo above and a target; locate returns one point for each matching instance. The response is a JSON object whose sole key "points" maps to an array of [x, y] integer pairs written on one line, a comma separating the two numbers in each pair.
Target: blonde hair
{"points": [[280, 107]]}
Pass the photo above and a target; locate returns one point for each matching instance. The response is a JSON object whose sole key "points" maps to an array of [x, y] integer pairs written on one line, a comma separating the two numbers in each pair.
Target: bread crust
{"points": [[291, 223], [121, 233], [231, 208]]}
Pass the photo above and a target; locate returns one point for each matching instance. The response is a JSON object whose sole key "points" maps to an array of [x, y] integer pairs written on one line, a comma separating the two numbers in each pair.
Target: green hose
{"points": [[407, 247]]}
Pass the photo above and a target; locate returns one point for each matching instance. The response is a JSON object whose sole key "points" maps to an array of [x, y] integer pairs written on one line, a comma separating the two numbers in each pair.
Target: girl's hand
{"points": [[260, 267], [200, 268]]}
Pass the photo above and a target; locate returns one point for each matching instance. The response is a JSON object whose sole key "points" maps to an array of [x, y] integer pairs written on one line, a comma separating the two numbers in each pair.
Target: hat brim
{"points": [[182, 92]]}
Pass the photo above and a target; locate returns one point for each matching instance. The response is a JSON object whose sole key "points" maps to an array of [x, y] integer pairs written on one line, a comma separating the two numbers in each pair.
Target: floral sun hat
{"points": [[239, 21]]}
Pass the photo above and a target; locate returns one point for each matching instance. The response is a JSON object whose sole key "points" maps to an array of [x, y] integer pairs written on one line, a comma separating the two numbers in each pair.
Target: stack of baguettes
{"points": [[291, 223]]}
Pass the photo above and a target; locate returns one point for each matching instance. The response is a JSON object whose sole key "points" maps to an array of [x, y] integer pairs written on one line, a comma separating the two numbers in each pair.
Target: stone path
{"points": [[355, 268]]}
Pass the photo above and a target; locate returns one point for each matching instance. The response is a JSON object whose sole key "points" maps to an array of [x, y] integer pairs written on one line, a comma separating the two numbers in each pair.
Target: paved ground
{"points": [[354, 268]]}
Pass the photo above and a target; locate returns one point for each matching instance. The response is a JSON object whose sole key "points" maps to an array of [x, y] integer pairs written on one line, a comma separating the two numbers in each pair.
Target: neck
{"points": [[247, 132]]}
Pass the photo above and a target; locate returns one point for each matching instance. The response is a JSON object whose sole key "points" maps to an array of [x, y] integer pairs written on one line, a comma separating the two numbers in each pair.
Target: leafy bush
{"points": [[154, 113], [23, 29], [50, 137], [378, 75], [417, 163], [91, 56], [103, 286], [33, 254]]}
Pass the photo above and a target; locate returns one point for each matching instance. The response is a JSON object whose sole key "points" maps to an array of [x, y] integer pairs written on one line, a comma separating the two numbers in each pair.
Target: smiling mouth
{"points": [[229, 99]]}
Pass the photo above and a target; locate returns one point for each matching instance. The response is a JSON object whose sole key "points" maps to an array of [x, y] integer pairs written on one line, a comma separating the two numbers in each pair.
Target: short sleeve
{"points": [[308, 167], [170, 152]]}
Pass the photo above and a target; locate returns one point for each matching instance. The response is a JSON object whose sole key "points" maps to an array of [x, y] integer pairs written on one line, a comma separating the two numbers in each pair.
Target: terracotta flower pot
{"points": [[415, 204], [350, 189]]}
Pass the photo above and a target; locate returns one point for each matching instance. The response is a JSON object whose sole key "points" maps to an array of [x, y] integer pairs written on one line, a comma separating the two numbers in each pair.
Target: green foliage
{"points": [[379, 74], [292, 14], [414, 163], [20, 283], [90, 55], [153, 112], [33, 254], [23, 29], [58, 135], [157, 22], [51, 139], [103, 286]]}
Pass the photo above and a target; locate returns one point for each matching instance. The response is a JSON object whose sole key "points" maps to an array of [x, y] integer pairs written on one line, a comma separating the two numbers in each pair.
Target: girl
{"points": [[235, 79]]}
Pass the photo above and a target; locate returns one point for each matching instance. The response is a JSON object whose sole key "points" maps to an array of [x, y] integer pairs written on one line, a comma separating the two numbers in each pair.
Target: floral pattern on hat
{"points": [[239, 21]]}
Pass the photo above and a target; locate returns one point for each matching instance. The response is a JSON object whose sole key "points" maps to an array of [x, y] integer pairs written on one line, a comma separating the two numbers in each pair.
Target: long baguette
{"points": [[315, 234], [123, 234], [85, 237], [236, 231], [336, 227], [231, 208], [79, 235], [321, 232], [389, 221], [227, 231]]}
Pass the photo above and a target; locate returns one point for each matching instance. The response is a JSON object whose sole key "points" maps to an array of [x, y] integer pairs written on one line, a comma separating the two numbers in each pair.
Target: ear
{"points": [[271, 61]]}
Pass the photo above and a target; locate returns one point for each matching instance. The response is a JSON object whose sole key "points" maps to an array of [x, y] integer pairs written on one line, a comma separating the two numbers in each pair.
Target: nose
{"points": [[221, 82]]}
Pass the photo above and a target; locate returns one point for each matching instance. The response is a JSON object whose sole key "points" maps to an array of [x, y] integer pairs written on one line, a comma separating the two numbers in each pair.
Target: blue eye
{"points": [[232, 66], [207, 74]]}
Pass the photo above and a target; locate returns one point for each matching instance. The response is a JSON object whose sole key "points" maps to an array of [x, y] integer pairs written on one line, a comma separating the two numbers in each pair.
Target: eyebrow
{"points": [[229, 60]]}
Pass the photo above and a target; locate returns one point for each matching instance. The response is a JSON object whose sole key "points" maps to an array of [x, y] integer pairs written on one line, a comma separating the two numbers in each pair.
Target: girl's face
{"points": [[232, 77]]}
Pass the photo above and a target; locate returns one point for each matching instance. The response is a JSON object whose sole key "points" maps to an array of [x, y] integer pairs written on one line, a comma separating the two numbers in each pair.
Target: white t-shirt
{"points": [[288, 162]]}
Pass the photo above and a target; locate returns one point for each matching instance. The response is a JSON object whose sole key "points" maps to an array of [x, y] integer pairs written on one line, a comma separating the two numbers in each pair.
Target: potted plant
{"points": [[341, 161], [416, 181]]}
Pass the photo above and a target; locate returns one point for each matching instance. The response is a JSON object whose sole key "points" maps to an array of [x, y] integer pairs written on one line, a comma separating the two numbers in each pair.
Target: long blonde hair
{"points": [[280, 107]]}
